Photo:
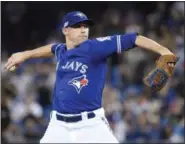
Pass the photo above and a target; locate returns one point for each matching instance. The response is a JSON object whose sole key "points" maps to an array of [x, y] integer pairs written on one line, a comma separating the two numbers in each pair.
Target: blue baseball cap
{"points": [[75, 17]]}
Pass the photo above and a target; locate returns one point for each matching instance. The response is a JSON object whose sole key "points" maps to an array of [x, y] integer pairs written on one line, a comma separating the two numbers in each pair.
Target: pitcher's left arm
{"points": [[149, 44]]}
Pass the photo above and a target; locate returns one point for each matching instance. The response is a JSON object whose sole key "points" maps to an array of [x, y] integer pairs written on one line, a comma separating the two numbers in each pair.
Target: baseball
{"points": [[13, 68]]}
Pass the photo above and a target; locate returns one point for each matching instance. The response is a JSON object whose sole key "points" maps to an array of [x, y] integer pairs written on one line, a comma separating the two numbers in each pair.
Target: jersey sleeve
{"points": [[56, 49], [106, 46]]}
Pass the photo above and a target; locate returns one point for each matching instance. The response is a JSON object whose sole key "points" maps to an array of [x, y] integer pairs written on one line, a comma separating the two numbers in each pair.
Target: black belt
{"points": [[74, 118]]}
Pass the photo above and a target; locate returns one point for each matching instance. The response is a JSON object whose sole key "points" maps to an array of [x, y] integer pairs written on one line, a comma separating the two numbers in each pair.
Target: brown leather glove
{"points": [[159, 76]]}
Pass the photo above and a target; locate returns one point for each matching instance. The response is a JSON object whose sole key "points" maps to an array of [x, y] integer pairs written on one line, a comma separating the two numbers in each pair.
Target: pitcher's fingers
{"points": [[10, 60], [171, 64], [7, 64], [10, 65]]}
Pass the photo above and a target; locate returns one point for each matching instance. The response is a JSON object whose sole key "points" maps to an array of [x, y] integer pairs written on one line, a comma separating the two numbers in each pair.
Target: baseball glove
{"points": [[159, 76]]}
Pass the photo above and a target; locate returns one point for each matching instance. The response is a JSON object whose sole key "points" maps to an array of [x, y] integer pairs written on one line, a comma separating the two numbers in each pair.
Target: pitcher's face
{"points": [[77, 33]]}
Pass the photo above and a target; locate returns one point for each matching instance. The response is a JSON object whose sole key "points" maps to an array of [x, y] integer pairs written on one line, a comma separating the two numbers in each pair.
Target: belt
{"points": [[74, 118]]}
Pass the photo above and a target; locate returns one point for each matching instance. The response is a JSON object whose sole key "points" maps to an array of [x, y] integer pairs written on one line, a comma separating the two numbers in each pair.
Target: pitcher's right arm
{"points": [[40, 52]]}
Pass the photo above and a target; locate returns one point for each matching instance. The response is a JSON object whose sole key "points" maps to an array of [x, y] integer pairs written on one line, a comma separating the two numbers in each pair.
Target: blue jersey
{"points": [[81, 72]]}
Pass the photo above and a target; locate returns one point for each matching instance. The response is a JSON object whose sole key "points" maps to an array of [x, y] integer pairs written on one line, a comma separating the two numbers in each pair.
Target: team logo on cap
{"points": [[79, 82], [79, 14]]}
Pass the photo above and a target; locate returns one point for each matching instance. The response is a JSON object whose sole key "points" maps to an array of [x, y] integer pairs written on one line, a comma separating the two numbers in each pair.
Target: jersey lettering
{"points": [[83, 69], [78, 64], [75, 66]]}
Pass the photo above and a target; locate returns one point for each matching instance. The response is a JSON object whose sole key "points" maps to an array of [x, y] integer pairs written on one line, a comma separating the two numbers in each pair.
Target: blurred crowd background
{"points": [[135, 113]]}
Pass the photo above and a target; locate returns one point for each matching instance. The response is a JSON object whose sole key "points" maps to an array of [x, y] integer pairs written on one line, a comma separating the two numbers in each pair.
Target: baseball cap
{"points": [[75, 17]]}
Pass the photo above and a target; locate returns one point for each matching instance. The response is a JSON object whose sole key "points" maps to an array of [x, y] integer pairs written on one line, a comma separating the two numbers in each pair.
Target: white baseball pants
{"points": [[94, 130]]}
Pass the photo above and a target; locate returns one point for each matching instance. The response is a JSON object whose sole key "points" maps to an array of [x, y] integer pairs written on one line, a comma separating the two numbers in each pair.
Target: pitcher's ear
{"points": [[64, 31]]}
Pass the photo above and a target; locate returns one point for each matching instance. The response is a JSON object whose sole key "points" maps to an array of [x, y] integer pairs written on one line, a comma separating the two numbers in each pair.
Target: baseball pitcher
{"points": [[78, 115]]}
